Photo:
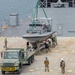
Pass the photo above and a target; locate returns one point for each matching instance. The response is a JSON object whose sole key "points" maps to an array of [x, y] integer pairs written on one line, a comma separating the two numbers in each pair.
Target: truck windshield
{"points": [[11, 55]]}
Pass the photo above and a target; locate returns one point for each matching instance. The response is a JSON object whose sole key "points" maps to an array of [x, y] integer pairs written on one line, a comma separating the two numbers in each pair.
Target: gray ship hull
{"points": [[63, 20]]}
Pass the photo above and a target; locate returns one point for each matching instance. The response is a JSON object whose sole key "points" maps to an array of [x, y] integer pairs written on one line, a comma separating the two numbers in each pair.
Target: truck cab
{"points": [[13, 60]]}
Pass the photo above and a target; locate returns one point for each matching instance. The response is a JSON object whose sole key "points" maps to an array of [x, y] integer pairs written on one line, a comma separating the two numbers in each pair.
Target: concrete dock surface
{"points": [[65, 49]]}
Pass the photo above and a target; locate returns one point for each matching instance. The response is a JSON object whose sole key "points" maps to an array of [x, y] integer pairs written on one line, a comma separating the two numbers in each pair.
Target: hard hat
{"points": [[62, 59]]}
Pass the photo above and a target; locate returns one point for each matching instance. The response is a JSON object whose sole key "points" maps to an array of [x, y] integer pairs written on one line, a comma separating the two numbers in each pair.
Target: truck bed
{"points": [[30, 53]]}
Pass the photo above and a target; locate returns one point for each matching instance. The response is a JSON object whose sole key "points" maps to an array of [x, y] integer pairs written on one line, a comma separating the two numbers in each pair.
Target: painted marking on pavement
{"points": [[37, 68], [50, 70], [41, 68], [31, 70], [55, 50], [69, 70], [73, 51], [64, 52]]}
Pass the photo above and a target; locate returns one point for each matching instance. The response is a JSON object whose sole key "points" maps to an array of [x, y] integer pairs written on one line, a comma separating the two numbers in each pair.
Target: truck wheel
{"points": [[19, 70], [29, 61], [3, 72], [32, 59]]}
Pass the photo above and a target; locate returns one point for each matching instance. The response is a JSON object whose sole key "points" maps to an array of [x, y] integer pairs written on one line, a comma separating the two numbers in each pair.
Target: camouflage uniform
{"points": [[46, 63], [47, 47], [5, 41], [62, 65], [50, 44], [55, 39], [27, 44]]}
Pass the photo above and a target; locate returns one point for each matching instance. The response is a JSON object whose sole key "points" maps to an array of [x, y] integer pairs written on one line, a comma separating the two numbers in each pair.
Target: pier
{"points": [[65, 49]]}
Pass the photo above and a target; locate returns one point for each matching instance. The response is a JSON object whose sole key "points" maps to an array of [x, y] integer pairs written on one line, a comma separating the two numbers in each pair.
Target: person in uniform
{"points": [[38, 47], [50, 44], [62, 65], [27, 44], [5, 42], [46, 43], [46, 63], [55, 38]]}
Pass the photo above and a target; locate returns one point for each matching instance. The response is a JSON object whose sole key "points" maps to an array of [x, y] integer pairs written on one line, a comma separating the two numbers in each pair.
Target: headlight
{"points": [[16, 64]]}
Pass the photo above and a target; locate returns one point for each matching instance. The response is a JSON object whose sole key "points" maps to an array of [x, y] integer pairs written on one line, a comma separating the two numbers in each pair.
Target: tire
{"points": [[19, 70], [29, 61], [3, 72], [32, 59]]}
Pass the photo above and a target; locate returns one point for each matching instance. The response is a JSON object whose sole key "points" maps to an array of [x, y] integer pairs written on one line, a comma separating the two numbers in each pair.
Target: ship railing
{"points": [[44, 4], [35, 31]]}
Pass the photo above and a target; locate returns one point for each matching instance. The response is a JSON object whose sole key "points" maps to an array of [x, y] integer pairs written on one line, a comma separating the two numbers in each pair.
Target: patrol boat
{"points": [[40, 28]]}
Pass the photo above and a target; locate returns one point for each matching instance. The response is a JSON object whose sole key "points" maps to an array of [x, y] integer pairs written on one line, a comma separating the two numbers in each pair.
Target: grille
{"points": [[8, 64]]}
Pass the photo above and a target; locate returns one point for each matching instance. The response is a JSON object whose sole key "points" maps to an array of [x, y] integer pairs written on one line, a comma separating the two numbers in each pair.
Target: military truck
{"points": [[14, 58]]}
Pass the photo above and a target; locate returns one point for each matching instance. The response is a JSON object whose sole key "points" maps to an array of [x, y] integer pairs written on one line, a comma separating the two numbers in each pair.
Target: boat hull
{"points": [[36, 37], [63, 20]]}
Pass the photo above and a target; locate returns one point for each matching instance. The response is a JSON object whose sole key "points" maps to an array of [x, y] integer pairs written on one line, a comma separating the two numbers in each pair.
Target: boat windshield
{"points": [[11, 55], [35, 25]]}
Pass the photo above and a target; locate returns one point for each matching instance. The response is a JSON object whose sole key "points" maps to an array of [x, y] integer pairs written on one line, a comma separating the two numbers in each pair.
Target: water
{"points": [[24, 8]]}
